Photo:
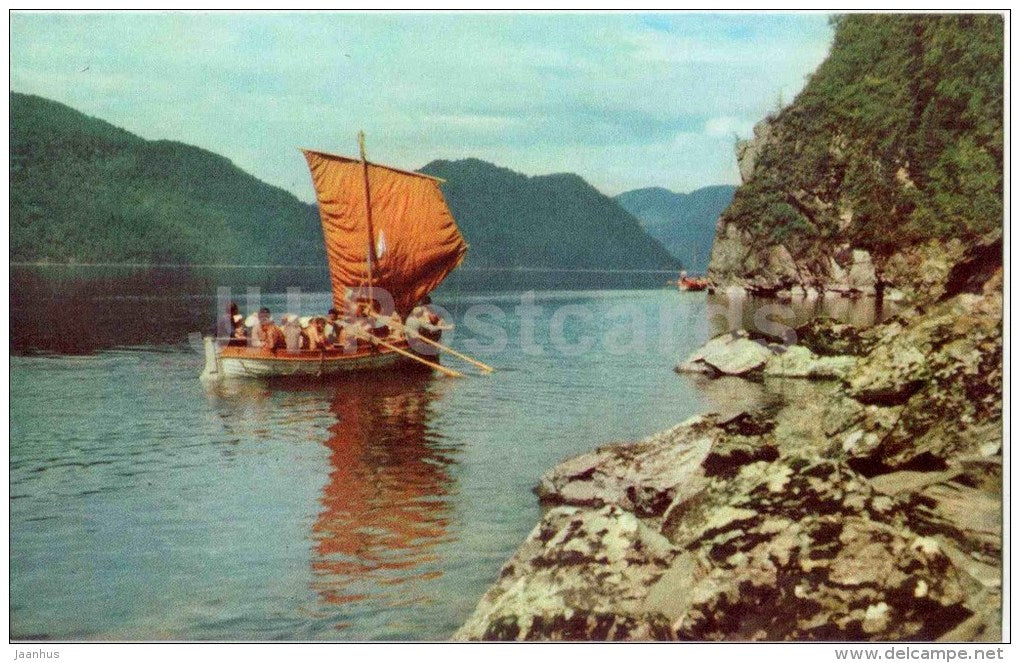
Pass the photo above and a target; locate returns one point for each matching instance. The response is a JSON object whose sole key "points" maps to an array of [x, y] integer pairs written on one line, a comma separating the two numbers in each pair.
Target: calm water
{"points": [[145, 505]]}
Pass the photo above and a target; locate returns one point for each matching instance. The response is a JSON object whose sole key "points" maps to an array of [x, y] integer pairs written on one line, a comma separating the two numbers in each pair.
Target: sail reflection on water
{"points": [[375, 529], [386, 506]]}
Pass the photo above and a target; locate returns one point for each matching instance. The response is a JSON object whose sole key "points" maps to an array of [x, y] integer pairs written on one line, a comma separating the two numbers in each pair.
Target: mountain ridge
{"points": [[86, 191], [683, 222], [550, 213]]}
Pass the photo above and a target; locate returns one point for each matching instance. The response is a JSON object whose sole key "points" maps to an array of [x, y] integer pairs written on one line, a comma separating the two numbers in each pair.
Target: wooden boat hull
{"points": [[245, 362]]}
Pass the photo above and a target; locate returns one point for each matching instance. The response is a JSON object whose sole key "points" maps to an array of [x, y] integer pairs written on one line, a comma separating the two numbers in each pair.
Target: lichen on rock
{"points": [[838, 516]]}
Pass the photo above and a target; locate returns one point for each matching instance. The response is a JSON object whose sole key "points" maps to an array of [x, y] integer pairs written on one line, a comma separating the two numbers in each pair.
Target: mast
{"points": [[368, 216]]}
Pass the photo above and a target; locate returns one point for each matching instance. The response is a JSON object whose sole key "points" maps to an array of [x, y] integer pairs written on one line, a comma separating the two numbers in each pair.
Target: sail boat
{"points": [[390, 240]]}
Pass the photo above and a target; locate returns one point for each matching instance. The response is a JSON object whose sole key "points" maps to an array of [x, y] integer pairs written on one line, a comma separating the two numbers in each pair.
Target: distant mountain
{"points": [[510, 219], [683, 222], [84, 190]]}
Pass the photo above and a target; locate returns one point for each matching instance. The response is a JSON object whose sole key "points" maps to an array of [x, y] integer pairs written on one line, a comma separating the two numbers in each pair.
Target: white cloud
{"points": [[728, 125], [604, 95]]}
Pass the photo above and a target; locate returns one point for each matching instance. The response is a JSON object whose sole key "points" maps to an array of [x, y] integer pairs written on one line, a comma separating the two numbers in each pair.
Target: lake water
{"points": [[146, 505]]}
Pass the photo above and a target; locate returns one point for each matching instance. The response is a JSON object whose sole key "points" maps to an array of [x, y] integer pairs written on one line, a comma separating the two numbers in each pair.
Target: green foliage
{"points": [[83, 190], [771, 216], [902, 125], [561, 221]]}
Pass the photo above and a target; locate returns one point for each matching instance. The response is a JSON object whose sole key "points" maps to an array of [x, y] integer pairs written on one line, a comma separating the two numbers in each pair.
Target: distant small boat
{"points": [[386, 230], [691, 284]]}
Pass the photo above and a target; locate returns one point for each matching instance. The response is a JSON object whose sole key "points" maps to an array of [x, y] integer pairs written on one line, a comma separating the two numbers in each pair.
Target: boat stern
{"points": [[212, 365]]}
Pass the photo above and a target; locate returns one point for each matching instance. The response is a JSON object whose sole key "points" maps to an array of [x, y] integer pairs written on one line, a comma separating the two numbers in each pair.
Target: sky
{"points": [[626, 100]]}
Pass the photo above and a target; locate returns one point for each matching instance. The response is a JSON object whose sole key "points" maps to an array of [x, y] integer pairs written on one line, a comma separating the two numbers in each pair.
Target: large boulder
{"points": [[890, 375], [736, 354], [644, 477], [733, 353], [930, 391], [755, 545], [805, 549], [866, 509], [826, 337]]}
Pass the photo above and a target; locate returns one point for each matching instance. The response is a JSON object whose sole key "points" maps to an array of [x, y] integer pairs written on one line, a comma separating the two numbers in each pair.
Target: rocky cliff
{"points": [[885, 169]]}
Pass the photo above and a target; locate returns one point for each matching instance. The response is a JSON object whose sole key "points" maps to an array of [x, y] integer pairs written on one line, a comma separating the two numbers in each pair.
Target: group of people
{"points": [[358, 322]]}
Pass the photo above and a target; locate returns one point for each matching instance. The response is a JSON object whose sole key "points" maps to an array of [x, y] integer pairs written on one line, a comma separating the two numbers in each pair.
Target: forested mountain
{"points": [[83, 190], [683, 222], [510, 220], [883, 170]]}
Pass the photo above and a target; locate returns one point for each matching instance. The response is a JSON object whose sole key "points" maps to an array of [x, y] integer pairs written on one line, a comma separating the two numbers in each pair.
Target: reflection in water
{"points": [[386, 505]]}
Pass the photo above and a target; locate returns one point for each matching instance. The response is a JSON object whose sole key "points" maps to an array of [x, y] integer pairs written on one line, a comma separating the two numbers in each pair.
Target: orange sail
{"points": [[414, 240]]}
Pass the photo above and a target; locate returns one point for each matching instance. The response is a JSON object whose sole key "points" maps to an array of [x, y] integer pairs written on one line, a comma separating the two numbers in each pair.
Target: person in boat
{"points": [[339, 330], [418, 320], [368, 320], [226, 324], [273, 335], [431, 326], [378, 324], [358, 327], [305, 323], [239, 335], [291, 332], [316, 333], [265, 333], [333, 325], [396, 328], [428, 322], [256, 338], [343, 339]]}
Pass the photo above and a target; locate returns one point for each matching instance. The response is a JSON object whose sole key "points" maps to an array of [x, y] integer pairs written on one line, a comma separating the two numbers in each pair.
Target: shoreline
{"points": [[871, 513]]}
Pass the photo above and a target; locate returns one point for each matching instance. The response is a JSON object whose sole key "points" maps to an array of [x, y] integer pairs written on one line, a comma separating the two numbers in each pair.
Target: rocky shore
{"points": [[870, 510], [871, 513]]}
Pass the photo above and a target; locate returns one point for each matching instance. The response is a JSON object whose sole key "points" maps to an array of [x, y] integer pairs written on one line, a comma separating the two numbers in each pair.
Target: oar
{"points": [[442, 369], [484, 367]]}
